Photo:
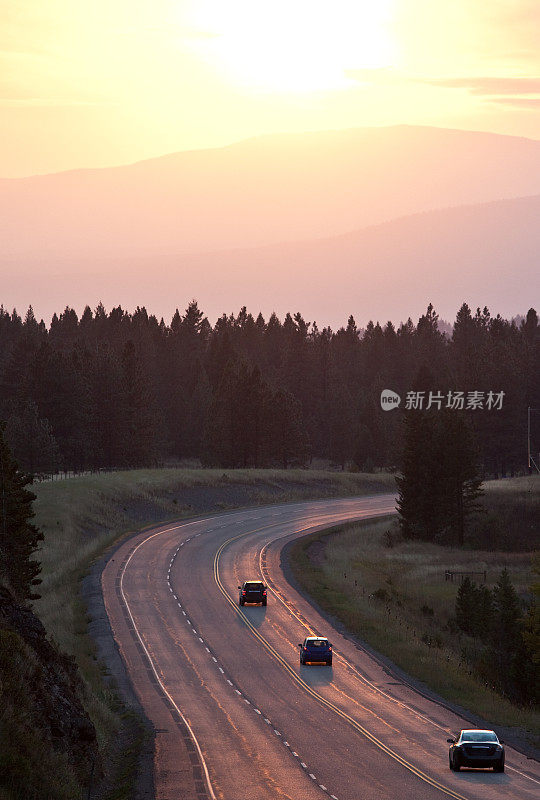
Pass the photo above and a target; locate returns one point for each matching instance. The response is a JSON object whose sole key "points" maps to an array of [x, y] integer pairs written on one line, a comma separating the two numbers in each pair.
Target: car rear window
{"points": [[478, 736], [251, 586], [318, 643]]}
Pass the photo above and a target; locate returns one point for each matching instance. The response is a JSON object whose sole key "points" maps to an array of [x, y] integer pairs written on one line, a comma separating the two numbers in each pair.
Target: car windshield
{"points": [[478, 736], [251, 586], [317, 643]]}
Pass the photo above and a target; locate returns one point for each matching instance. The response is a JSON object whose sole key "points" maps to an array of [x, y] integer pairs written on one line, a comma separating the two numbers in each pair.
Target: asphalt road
{"points": [[236, 716]]}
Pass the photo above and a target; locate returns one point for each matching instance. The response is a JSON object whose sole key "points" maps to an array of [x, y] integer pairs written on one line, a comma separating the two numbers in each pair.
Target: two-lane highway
{"points": [[236, 716]]}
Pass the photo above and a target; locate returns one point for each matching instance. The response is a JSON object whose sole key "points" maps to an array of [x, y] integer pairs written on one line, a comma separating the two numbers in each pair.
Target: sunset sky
{"points": [[111, 82]]}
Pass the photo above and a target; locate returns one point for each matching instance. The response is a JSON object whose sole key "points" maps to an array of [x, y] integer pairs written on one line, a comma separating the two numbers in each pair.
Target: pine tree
{"points": [[419, 484], [233, 434], [465, 606], [459, 472], [30, 439], [364, 448], [506, 640], [107, 424], [484, 615], [341, 425], [287, 440], [19, 538], [440, 481], [197, 411], [140, 442], [474, 609], [531, 632]]}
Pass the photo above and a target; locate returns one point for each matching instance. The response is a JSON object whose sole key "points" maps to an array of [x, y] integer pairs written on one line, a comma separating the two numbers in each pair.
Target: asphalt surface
{"points": [[236, 716]]}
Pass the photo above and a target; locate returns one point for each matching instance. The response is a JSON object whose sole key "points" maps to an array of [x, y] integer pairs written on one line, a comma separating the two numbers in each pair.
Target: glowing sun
{"points": [[295, 45]]}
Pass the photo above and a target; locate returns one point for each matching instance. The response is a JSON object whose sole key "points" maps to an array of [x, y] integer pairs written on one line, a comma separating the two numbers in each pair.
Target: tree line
{"points": [[503, 635], [117, 389]]}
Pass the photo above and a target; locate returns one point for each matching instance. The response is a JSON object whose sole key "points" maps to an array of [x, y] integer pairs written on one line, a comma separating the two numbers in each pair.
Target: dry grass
{"points": [[401, 603]]}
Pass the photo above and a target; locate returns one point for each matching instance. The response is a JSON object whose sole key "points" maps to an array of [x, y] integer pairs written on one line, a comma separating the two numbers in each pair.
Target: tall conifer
{"points": [[19, 538]]}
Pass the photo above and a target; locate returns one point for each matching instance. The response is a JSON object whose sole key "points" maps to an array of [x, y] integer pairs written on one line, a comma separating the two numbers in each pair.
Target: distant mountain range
{"points": [[267, 222], [484, 254]]}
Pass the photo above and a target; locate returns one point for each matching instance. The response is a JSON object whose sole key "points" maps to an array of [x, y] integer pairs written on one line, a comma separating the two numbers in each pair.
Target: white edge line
{"points": [[184, 720], [363, 678]]}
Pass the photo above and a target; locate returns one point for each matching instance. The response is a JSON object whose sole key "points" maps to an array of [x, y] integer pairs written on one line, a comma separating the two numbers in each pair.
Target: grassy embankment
{"points": [[81, 517], [402, 604]]}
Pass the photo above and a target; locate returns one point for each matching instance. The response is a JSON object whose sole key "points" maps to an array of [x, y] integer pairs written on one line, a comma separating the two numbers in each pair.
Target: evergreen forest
{"points": [[115, 389]]}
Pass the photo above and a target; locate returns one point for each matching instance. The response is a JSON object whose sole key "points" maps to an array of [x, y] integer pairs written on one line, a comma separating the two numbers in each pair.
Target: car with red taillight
{"points": [[316, 650], [252, 592]]}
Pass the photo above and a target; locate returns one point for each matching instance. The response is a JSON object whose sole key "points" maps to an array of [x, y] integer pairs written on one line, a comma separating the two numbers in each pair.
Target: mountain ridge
{"points": [[257, 138], [243, 195], [484, 254]]}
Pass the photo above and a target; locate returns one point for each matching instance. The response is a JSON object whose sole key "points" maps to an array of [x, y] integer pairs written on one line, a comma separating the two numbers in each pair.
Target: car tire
{"points": [[241, 602], [264, 602], [329, 663], [450, 762], [499, 767]]}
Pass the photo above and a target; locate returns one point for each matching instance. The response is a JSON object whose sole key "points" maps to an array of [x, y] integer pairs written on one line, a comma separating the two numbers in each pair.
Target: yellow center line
{"points": [[327, 703], [264, 572]]}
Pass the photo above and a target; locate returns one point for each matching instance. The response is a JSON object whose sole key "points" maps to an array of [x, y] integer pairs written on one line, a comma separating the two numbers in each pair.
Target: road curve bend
{"points": [[236, 716]]}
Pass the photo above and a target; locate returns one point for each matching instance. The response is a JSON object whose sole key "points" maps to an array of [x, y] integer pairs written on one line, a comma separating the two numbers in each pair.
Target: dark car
{"points": [[252, 592], [316, 650], [476, 748]]}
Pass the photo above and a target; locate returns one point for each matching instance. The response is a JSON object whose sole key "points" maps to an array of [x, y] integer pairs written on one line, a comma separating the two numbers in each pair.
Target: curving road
{"points": [[236, 716]]}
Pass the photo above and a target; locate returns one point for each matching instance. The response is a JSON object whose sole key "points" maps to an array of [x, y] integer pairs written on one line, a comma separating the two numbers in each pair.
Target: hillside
{"points": [[268, 189], [48, 744], [484, 254]]}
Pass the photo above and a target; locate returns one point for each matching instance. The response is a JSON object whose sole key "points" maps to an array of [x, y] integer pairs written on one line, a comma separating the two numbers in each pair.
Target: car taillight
{"points": [[243, 591], [330, 647], [264, 592]]}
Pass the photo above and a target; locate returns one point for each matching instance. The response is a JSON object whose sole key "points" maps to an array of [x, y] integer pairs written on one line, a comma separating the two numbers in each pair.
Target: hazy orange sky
{"points": [[109, 82]]}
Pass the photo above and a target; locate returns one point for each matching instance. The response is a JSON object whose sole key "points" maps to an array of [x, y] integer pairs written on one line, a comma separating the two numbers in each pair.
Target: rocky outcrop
{"points": [[48, 744]]}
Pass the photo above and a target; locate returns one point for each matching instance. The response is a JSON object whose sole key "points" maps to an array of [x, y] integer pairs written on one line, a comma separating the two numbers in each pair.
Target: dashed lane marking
{"points": [[423, 776]]}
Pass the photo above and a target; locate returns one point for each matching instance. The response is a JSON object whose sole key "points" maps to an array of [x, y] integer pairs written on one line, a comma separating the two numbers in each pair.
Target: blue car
{"points": [[316, 650]]}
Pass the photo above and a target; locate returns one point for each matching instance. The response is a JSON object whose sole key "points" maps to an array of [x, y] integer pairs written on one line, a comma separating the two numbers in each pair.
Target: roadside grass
{"points": [[81, 517], [393, 595], [510, 520]]}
